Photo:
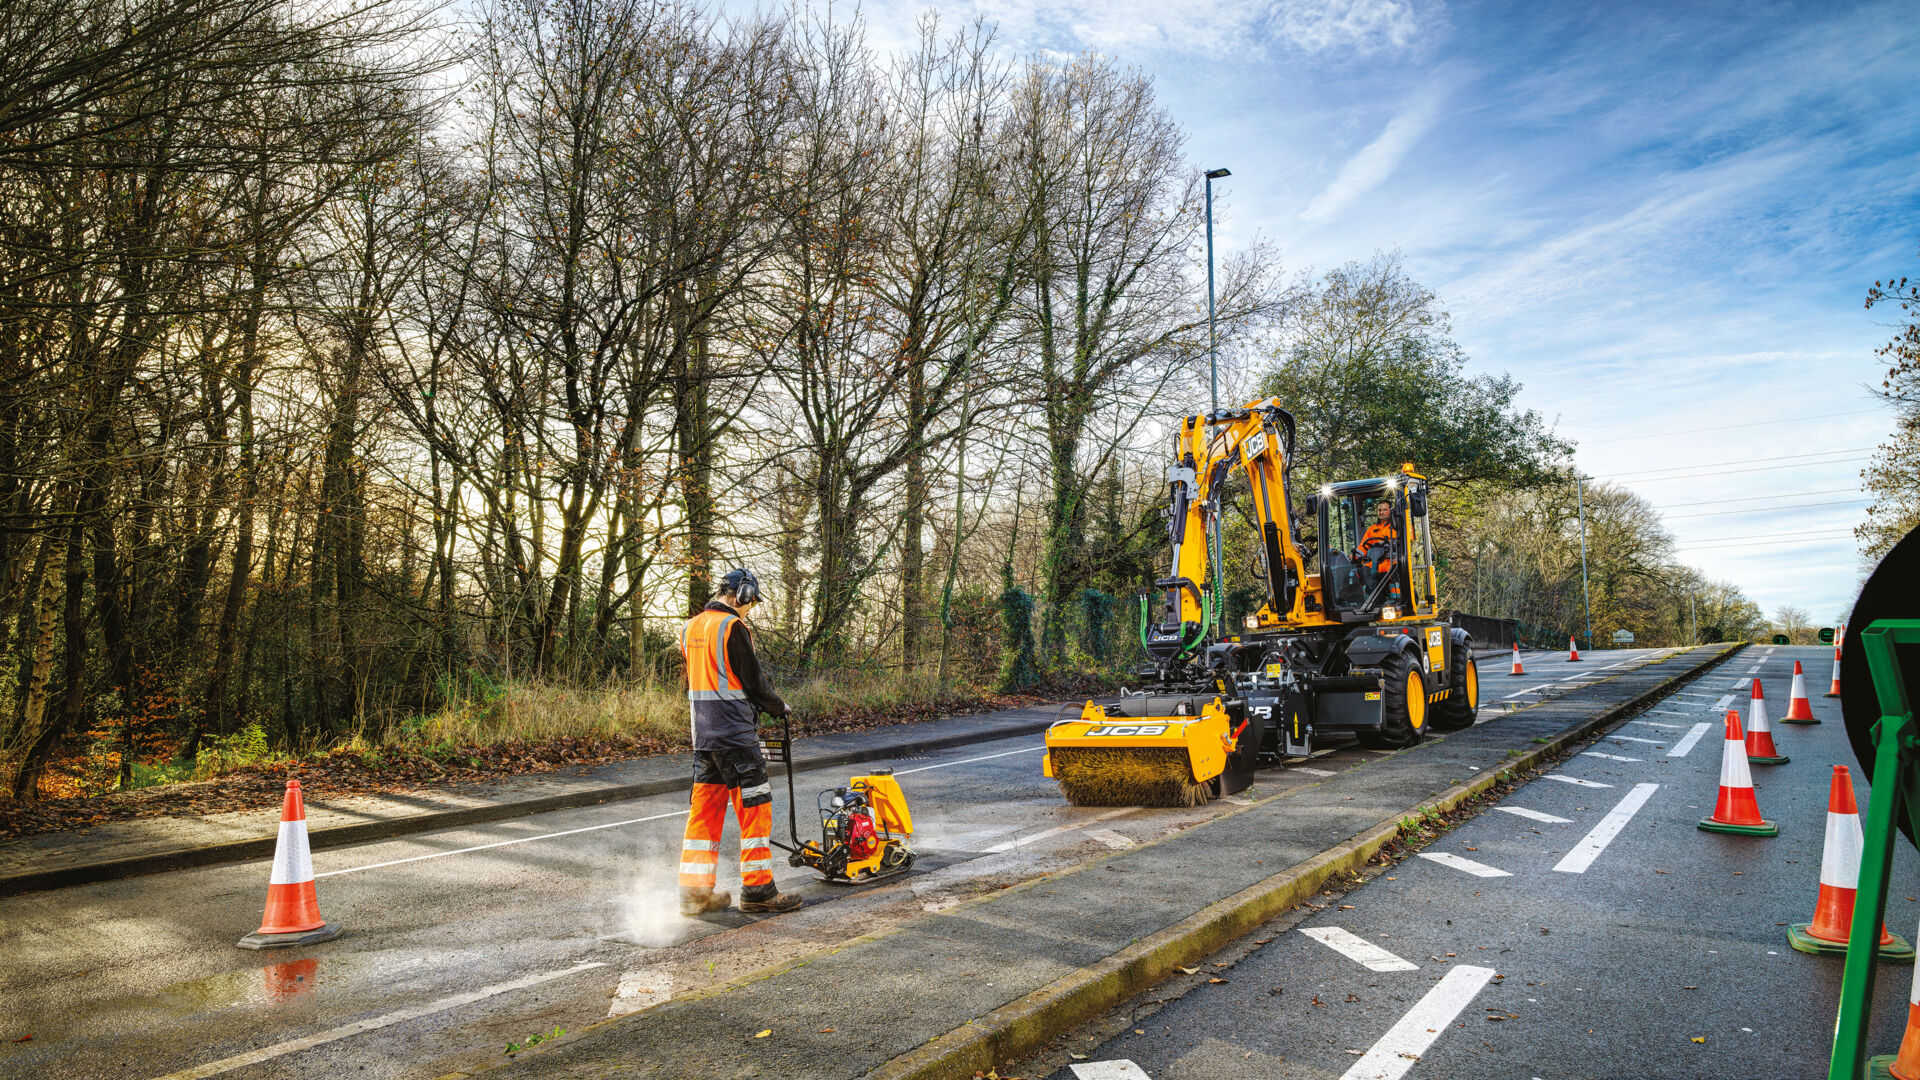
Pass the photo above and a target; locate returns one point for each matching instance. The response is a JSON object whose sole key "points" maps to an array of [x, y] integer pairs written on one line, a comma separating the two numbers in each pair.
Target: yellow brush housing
{"points": [[1102, 760]]}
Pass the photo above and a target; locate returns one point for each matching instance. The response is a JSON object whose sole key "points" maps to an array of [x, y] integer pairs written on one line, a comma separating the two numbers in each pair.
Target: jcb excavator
{"points": [[1348, 638]]}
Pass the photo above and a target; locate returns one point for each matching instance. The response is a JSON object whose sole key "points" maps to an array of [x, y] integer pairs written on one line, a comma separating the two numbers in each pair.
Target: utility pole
{"points": [[1693, 617], [1213, 374], [1586, 591]]}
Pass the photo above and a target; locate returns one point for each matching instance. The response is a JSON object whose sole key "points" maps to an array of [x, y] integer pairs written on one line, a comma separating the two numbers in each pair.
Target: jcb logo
{"points": [[1263, 712], [1129, 729]]}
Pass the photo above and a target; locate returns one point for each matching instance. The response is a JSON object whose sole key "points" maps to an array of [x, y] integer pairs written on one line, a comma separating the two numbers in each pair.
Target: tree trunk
{"points": [[913, 601]]}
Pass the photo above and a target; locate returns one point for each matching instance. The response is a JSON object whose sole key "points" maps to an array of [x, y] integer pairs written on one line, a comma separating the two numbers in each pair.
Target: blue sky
{"points": [[1660, 217]]}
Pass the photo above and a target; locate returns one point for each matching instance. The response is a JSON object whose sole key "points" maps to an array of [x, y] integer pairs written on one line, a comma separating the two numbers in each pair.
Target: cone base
{"points": [[1898, 950], [1787, 721], [1879, 1067], [326, 932], [1781, 760], [1765, 828], [1829, 695]]}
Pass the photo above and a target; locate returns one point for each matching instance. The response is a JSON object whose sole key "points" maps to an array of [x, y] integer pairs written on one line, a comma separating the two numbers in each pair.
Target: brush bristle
{"points": [[1138, 776]]}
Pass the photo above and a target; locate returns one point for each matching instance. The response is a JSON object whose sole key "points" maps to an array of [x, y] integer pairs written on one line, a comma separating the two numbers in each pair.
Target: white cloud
{"points": [[1367, 169], [1357, 26]]}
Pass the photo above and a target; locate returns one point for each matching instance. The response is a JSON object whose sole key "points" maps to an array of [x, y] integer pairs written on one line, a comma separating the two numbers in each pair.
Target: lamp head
{"points": [[1215, 174]]}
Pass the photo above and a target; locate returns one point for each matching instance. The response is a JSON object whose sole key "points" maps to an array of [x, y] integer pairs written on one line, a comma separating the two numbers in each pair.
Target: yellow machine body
{"points": [[1104, 758], [892, 821]]}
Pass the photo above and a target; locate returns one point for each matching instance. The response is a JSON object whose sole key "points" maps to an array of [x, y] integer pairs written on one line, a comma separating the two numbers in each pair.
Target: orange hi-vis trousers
{"points": [[721, 777]]}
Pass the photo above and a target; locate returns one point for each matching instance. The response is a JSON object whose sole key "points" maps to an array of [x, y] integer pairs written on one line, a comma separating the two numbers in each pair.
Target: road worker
{"points": [[724, 689]]}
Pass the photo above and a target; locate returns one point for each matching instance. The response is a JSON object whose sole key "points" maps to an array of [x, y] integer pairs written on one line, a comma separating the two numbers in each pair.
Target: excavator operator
{"points": [[1377, 544]]}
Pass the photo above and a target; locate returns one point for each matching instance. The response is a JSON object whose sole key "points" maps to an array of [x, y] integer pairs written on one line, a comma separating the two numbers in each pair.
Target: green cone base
{"points": [[1765, 828], [1781, 760], [325, 932], [1798, 721], [1898, 950], [1880, 1067]]}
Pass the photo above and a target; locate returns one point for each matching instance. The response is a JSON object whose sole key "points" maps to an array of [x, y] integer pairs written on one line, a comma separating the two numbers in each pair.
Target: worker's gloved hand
{"points": [[785, 709]]}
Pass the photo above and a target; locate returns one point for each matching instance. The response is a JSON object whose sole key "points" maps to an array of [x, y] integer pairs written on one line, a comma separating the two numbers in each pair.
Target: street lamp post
{"points": [[1586, 592], [1213, 377]]}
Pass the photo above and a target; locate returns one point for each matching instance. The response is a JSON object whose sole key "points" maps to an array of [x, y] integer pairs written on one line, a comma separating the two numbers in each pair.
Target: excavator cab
{"points": [[1376, 553]]}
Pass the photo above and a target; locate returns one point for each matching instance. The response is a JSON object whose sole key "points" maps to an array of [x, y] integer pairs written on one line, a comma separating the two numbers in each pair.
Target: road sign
{"points": [[1779, 639], [1826, 635], [1623, 637]]}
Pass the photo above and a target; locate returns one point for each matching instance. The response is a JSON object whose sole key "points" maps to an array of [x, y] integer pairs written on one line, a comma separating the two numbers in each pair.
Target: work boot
{"points": [[703, 901], [768, 899]]}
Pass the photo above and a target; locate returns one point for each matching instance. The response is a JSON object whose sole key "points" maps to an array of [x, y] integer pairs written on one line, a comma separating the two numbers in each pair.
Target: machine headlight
{"points": [[1389, 612], [1252, 622]]}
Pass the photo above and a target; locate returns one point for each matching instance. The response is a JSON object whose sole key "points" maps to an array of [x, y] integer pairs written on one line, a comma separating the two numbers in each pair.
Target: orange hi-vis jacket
{"points": [[1378, 534], [724, 682]]}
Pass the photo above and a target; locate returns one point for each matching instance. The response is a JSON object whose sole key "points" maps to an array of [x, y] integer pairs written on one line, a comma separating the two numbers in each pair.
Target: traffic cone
{"points": [[1906, 1064], [1760, 748], [1517, 669], [1736, 811], [1840, 882], [1573, 650], [1799, 709], [293, 909], [1835, 691]]}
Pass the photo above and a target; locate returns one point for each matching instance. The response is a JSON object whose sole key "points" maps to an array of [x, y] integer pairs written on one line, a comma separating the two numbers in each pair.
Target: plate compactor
{"points": [[1347, 637], [863, 827]]}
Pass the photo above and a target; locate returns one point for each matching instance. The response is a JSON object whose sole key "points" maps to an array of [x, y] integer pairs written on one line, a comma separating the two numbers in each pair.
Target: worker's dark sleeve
{"points": [[746, 667]]}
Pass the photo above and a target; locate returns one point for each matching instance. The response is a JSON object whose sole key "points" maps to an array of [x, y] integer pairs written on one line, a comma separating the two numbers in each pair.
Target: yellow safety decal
{"points": [[1373, 695], [1275, 669]]}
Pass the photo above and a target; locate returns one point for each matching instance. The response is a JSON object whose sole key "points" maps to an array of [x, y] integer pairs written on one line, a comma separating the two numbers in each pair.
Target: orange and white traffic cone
{"points": [[1835, 690], [1906, 1064], [1840, 881], [1573, 651], [1760, 748], [293, 909], [1517, 669], [1736, 811], [1799, 708]]}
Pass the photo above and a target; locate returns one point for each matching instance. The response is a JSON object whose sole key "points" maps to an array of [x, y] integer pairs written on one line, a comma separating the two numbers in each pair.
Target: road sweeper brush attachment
{"points": [[1107, 758]]}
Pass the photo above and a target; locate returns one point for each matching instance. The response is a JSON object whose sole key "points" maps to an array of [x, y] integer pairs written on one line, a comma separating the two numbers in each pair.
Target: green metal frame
{"points": [[1896, 783]]}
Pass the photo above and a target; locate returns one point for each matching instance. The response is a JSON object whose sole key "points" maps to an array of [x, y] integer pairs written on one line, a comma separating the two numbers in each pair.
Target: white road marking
{"points": [[1591, 845], [1402, 1045], [1725, 702], [1524, 693], [1631, 738], [503, 843], [1110, 838], [1358, 949], [1533, 815], [1609, 757], [1021, 841], [641, 989], [1658, 724], [1448, 858], [969, 761], [1577, 678], [1576, 780], [1119, 1069], [1312, 772], [372, 1023], [1686, 741]]}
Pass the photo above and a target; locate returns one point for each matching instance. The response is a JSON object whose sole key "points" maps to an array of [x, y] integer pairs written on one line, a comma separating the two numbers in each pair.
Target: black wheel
{"points": [[1457, 711], [1403, 705]]}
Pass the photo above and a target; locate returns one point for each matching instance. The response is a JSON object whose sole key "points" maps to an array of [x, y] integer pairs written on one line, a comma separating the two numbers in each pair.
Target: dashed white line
{"points": [[1447, 858], [1533, 815], [1686, 741], [1524, 693], [1402, 1045], [1110, 838], [1021, 841], [1118, 1069], [1609, 757], [1576, 781], [1358, 949], [1658, 724], [1591, 845], [1632, 738], [1724, 702], [969, 761], [372, 1023]]}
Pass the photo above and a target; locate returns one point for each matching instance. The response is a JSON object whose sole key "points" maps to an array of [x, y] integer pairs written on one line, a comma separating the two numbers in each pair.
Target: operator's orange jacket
{"points": [[1378, 534], [724, 681]]}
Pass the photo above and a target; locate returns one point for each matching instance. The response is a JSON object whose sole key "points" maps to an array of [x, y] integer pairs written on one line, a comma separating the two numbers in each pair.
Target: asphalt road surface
{"points": [[462, 941], [1584, 927]]}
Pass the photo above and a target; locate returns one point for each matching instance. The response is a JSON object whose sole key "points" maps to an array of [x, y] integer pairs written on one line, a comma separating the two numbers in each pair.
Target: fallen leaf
{"points": [[1353, 997], [1689, 988], [1659, 871], [1216, 980], [764, 1034], [1276, 992], [1699, 1038], [1076, 1057], [28, 1037], [1346, 907], [1317, 1002], [1495, 1019], [1189, 971], [826, 1031], [1139, 1031]]}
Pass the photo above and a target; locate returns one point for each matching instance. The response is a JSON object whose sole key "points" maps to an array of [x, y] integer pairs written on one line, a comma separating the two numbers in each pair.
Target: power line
{"points": [[1741, 461], [1730, 427], [1755, 498], [1756, 468], [1765, 509], [1718, 540], [1773, 543]]}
